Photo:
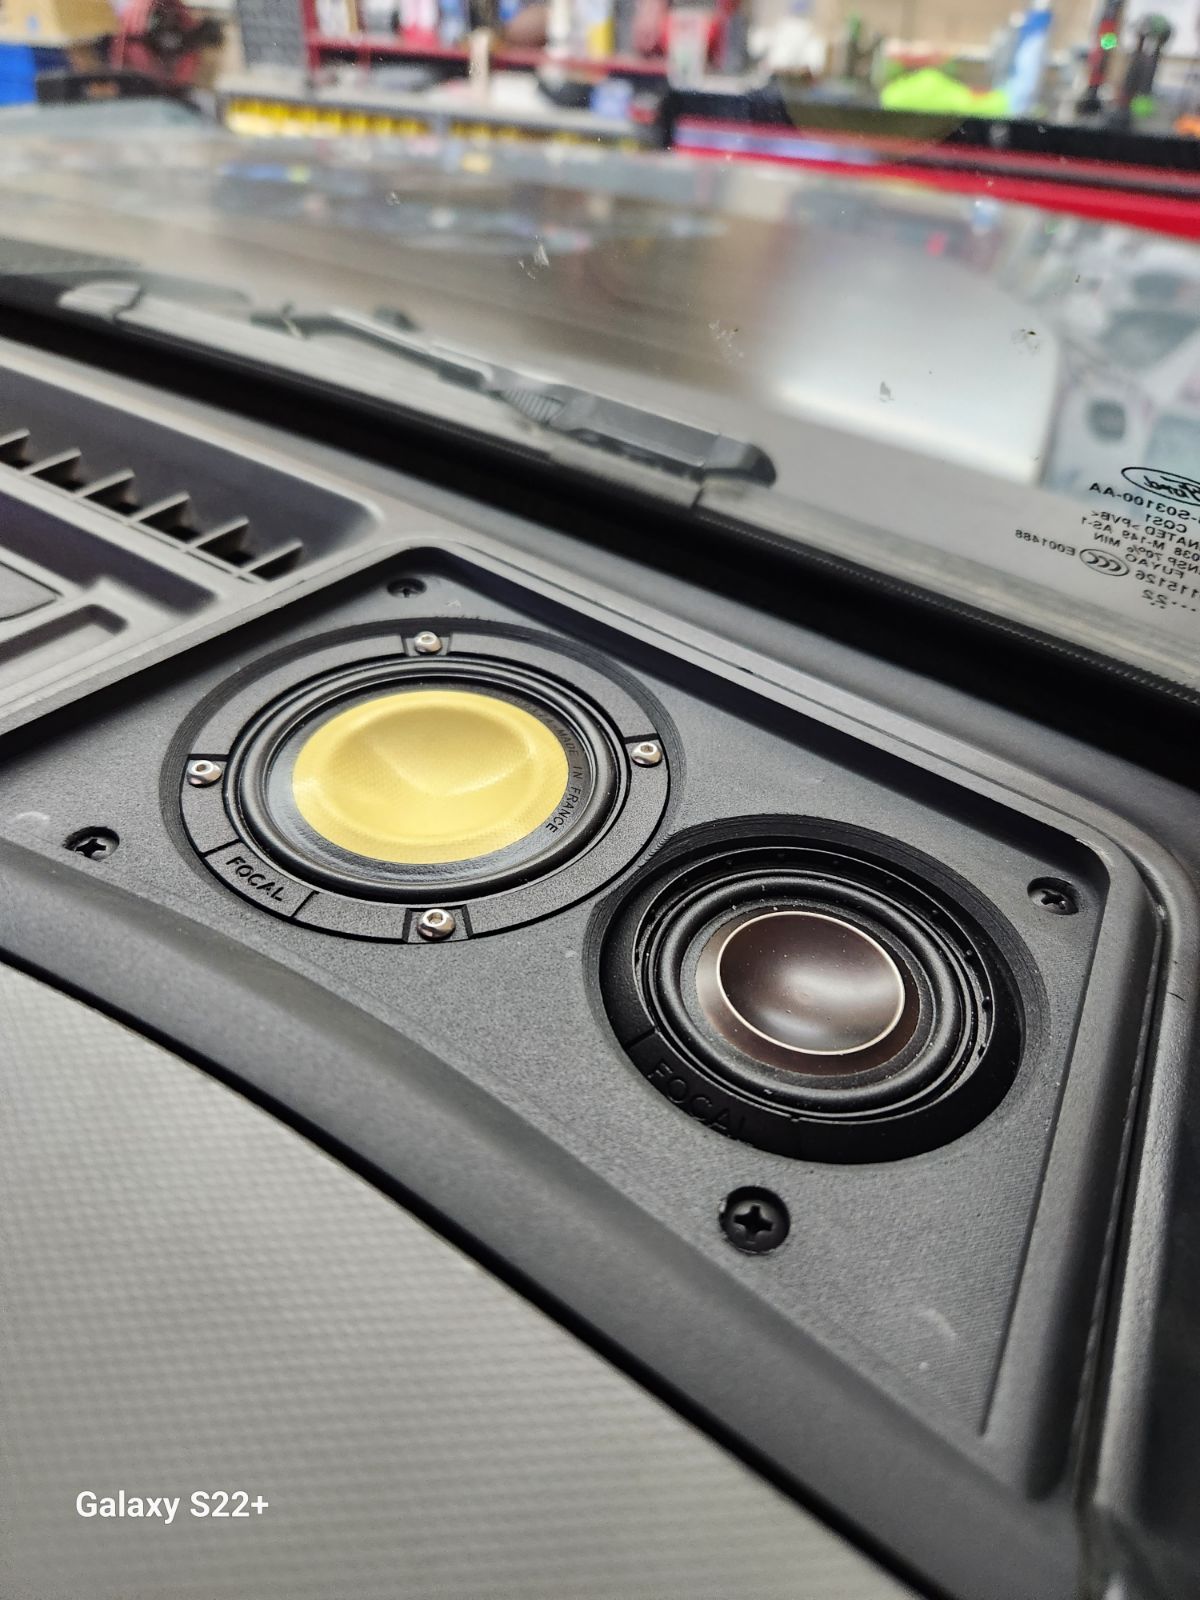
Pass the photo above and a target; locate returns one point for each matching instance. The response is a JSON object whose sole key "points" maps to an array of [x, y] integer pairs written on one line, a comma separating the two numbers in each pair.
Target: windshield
{"points": [[916, 293]]}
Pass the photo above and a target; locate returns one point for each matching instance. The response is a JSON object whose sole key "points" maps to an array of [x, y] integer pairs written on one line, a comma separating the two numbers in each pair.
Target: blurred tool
{"points": [[164, 39], [1004, 49], [858, 49], [794, 44], [1136, 95], [1105, 41], [1189, 121], [731, 45], [689, 31], [936, 89]]}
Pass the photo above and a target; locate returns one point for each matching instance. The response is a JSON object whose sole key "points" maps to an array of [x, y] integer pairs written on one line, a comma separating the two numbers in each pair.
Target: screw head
{"points": [[754, 1220], [1054, 896], [646, 754], [94, 843], [427, 643], [201, 773], [436, 923]]}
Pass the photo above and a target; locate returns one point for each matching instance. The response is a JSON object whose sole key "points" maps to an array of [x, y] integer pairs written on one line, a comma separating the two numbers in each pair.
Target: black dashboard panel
{"points": [[924, 1353]]}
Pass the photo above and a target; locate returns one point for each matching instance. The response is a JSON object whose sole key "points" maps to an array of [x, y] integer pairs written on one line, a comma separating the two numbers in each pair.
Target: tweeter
{"points": [[814, 997]]}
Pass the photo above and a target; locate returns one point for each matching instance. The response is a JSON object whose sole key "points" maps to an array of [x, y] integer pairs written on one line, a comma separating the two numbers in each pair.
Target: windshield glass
{"points": [[916, 288]]}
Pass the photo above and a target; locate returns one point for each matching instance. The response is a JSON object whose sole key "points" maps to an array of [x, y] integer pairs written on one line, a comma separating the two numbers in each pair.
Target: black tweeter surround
{"points": [[813, 997]]}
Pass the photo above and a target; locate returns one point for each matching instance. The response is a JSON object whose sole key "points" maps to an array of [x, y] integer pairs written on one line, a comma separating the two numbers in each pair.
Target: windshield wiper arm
{"points": [[578, 427], [588, 419]]}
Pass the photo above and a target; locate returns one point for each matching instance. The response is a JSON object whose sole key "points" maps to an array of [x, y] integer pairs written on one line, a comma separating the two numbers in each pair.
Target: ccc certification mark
{"points": [[1101, 561]]}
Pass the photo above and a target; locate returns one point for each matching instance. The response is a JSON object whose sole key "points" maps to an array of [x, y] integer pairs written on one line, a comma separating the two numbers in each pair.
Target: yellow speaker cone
{"points": [[429, 776]]}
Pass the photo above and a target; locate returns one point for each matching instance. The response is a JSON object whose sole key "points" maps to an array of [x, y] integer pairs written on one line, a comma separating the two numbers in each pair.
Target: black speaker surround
{"points": [[949, 1050]]}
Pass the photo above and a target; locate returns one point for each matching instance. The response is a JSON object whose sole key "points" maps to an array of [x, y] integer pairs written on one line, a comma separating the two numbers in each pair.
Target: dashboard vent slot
{"points": [[173, 495], [231, 540], [255, 521], [14, 447], [115, 490], [64, 469]]}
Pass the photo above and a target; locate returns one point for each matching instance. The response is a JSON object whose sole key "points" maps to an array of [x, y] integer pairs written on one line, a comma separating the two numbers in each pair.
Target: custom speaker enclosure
{"points": [[962, 1028], [925, 1337]]}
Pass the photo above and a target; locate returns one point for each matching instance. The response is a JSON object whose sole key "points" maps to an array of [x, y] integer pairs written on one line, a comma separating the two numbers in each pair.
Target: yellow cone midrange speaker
{"points": [[429, 776], [475, 780], [406, 778]]}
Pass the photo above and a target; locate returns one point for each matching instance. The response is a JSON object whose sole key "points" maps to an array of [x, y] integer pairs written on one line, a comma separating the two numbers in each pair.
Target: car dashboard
{"points": [[480, 1192]]}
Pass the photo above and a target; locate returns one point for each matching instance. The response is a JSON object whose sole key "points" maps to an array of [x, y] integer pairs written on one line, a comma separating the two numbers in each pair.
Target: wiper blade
{"points": [[574, 426], [40, 275], [589, 419]]}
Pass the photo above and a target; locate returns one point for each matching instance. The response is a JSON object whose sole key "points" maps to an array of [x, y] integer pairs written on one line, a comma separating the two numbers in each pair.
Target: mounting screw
{"points": [[1054, 896], [436, 924], [201, 773], [427, 643], [406, 588], [94, 843], [647, 754], [754, 1220]]}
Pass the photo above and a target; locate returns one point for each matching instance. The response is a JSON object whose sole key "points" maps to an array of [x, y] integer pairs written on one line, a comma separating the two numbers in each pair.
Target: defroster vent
{"points": [[118, 530], [221, 504], [232, 539]]}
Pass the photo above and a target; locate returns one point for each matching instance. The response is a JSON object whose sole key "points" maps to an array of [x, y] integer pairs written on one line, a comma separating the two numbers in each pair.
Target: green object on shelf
{"points": [[1143, 105], [932, 89]]}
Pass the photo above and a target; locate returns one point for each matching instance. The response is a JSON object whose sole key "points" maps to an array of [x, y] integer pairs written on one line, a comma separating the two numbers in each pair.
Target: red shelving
{"points": [[429, 48]]}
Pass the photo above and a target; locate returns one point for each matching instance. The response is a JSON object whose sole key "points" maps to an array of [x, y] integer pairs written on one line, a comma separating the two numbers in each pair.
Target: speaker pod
{"points": [[815, 996]]}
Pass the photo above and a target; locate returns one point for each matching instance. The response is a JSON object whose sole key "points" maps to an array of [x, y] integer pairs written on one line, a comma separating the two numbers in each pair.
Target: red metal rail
{"points": [[1170, 202]]}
